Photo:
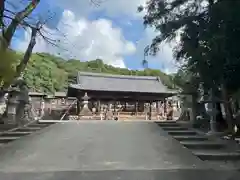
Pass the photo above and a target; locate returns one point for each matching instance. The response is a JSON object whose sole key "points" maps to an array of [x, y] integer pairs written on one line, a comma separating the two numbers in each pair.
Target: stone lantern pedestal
{"points": [[11, 109]]}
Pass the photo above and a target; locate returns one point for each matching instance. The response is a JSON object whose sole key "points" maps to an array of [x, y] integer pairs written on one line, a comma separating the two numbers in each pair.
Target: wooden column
{"points": [[165, 106], [99, 106], [135, 108], [114, 108], [157, 107], [150, 111], [78, 106]]}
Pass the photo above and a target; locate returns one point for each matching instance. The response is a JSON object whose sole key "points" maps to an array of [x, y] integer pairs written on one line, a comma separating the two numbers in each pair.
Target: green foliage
{"points": [[209, 35], [47, 73], [8, 62]]}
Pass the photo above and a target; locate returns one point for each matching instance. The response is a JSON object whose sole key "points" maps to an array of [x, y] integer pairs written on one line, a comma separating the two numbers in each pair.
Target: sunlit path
{"points": [[109, 149]]}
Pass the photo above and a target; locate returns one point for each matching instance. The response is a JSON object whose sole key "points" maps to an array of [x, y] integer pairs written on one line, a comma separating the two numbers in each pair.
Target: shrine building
{"points": [[119, 90]]}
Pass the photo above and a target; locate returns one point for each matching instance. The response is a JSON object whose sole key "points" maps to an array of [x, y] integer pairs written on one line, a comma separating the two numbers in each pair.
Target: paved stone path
{"points": [[103, 150]]}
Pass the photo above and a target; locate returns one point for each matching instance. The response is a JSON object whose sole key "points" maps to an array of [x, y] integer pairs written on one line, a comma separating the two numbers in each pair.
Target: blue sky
{"points": [[113, 31]]}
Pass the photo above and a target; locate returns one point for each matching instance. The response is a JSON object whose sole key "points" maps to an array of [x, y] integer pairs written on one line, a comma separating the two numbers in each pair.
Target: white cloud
{"points": [[85, 40], [111, 7], [125, 7]]}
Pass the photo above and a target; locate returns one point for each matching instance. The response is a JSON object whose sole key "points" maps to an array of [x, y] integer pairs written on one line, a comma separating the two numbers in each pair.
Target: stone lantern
{"points": [[85, 99], [85, 112], [12, 105], [209, 101]]}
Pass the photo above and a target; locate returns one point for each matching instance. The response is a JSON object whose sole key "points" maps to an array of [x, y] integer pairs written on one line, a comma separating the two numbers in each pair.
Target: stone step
{"points": [[28, 129], [202, 144], [38, 125], [7, 139], [216, 155], [4, 127], [190, 138], [174, 128], [49, 122], [183, 132], [168, 124], [14, 134]]}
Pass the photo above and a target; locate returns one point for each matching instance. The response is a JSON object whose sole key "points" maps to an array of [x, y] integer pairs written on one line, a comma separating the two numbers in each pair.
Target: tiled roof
{"points": [[123, 83]]}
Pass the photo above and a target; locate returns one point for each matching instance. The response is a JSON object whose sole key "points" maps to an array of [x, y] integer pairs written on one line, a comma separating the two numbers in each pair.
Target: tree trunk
{"points": [[228, 110], [221, 122], [213, 114], [9, 32], [2, 7], [194, 108], [20, 68]]}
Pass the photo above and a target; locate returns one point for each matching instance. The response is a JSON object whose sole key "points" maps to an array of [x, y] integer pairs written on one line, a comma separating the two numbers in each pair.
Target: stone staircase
{"points": [[13, 134], [214, 150]]}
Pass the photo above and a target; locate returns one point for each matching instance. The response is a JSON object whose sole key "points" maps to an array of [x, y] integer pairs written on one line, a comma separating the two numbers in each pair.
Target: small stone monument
{"points": [[85, 112]]}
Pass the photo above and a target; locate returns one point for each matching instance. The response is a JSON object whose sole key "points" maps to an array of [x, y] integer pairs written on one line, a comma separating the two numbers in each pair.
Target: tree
{"points": [[8, 32], [23, 63], [2, 7], [208, 31]]}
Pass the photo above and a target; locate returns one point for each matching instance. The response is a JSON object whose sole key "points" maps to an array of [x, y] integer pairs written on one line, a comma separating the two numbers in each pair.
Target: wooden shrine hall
{"points": [[130, 96]]}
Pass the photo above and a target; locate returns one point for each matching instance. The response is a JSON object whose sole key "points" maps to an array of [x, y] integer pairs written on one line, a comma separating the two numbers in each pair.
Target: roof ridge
{"points": [[81, 73]]}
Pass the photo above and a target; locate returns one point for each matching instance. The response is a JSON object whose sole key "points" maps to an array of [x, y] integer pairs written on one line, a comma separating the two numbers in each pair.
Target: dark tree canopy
{"points": [[209, 32]]}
